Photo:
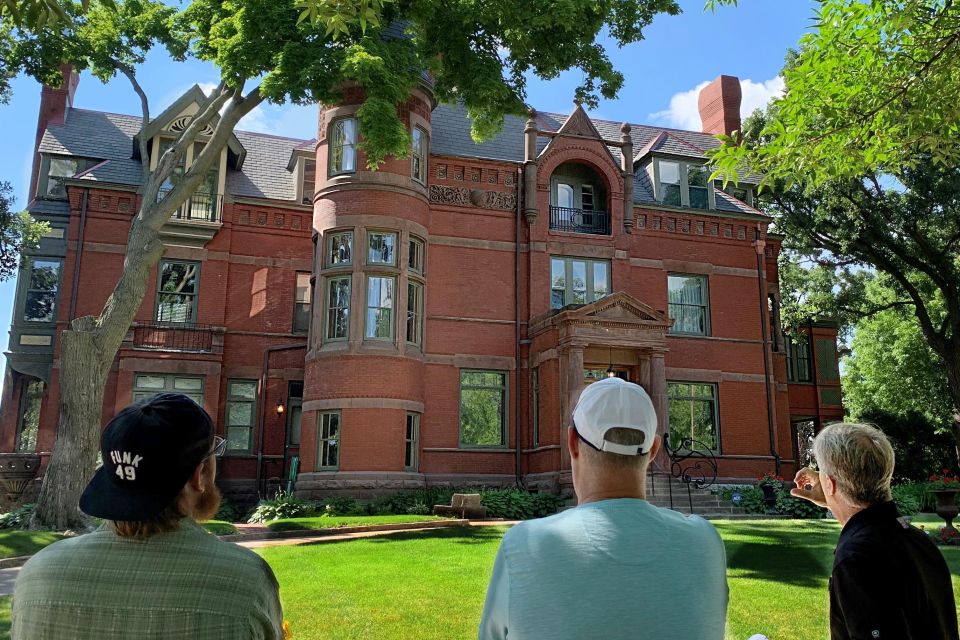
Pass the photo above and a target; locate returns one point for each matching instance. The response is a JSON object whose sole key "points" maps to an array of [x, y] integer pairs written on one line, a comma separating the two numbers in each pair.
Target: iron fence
{"points": [[173, 336], [580, 220]]}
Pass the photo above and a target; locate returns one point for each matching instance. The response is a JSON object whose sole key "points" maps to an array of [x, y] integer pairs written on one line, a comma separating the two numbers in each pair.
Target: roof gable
{"points": [[579, 125], [177, 117]]}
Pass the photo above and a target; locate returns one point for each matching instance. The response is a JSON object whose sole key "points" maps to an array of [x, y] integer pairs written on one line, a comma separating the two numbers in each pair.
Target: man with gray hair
{"points": [[615, 567], [889, 580]]}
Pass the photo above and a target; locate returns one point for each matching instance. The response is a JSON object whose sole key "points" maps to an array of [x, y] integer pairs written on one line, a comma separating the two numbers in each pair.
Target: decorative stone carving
{"points": [[442, 171], [463, 197], [458, 196]]}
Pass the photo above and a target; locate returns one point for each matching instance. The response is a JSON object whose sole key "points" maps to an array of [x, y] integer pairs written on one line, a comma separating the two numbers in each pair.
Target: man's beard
{"points": [[207, 504]]}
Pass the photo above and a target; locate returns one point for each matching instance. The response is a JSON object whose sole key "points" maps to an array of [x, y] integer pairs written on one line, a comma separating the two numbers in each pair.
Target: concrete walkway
{"points": [[7, 578], [339, 537]]}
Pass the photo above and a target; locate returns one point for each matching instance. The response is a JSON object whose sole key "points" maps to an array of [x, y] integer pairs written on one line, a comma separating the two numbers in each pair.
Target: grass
{"points": [[14, 542], [430, 585], [219, 527], [335, 522]]}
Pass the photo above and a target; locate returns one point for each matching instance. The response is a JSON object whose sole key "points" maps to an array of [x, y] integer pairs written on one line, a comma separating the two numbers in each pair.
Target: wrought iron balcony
{"points": [[580, 220], [173, 336], [200, 207]]}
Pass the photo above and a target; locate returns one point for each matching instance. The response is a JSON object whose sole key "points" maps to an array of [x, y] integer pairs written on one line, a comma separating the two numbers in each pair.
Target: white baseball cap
{"points": [[612, 403]]}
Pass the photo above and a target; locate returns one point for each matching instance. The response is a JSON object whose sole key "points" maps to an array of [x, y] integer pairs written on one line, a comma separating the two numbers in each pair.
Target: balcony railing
{"points": [[579, 220], [202, 207], [173, 336]]}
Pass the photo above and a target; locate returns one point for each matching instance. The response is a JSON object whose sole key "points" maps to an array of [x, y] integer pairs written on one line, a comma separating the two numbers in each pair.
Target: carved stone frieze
{"points": [[464, 197]]}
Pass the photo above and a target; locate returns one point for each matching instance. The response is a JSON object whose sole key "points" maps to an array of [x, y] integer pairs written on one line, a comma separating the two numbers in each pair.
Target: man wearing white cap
{"points": [[615, 566]]}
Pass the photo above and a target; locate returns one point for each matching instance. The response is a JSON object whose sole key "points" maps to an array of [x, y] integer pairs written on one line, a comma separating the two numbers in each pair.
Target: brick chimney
{"points": [[719, 105], [55, 103]]}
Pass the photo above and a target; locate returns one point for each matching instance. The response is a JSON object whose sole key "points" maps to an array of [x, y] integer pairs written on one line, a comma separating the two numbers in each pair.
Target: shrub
{"points": [[914, 492], [787, 505], [418, 509], [229, 512], [341, 506], [751, 499], [283, 505], [514, 504], [18, 518]]}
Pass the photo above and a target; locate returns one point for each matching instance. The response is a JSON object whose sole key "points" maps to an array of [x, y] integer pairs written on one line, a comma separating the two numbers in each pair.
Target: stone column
{"points": [[626, 166], [530, 210], [644, 380], [572, 360], [658, 393]]}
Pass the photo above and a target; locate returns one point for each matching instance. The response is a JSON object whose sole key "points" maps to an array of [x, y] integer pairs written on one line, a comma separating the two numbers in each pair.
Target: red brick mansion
{"points": [[433, 321]]}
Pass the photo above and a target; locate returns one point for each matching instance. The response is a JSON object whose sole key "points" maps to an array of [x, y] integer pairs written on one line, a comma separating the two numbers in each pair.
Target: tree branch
{"points": [[145, 110]]}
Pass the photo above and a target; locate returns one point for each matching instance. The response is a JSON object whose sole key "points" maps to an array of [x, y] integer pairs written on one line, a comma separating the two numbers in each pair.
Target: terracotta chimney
{"points": [[719, 105], [55, 102]]}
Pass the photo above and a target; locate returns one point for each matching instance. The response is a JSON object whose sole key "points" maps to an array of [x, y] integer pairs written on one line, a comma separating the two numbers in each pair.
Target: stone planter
{"points": [[947, 505], [17, 470]]}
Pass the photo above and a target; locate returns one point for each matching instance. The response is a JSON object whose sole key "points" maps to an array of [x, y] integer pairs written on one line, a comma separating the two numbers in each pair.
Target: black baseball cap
{"points": [[150, 449]]}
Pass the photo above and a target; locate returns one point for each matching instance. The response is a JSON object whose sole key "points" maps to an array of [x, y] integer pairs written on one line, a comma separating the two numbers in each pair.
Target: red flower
{"points": [[933, 478]]}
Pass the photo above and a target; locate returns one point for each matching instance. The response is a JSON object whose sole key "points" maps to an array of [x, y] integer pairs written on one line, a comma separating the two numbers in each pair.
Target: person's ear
{"points": [[573, 442], [830, 487], [655, 447], [198, 481]]}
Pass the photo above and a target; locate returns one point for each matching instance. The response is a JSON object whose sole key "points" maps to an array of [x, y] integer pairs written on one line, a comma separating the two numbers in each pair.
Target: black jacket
{"points": [[889, 581]]}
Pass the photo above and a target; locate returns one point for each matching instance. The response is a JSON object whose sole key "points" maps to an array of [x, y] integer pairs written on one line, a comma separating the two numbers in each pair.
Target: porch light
{"points": [[280, 407]]}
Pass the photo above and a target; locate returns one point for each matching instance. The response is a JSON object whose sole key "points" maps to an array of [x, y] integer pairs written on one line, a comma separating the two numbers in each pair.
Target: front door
{"points": [[595, 373]]}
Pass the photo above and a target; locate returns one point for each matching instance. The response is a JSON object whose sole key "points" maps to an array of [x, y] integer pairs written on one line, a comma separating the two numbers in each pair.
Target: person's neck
{"points": [[844, 510], [595, 492]]}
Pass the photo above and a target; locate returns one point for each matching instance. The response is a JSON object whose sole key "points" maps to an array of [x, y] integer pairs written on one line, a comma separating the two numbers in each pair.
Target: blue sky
{"points": [[663, 74]]}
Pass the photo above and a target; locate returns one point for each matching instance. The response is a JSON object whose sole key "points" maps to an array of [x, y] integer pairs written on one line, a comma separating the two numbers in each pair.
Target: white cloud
{"points": [[683, 112]]}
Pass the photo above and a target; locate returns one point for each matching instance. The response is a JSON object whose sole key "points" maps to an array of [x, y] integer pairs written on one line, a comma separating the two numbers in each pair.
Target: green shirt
{"points": [[182, 584]]}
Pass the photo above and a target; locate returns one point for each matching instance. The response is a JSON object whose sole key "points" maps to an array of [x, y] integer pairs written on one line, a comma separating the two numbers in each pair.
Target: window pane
{"points": [[586, 197], [669, 172], [238, 438], [302, 294], [671, 194], [150, 382], [338, 308], [482, 378], [243, 390], [41, 298], [39, 306], [699, 198], [187, 384], [29, 417], [381, 249], [481, 415], [240, 414], [309, 180], [415, 259], [379, 308], [44, 275], [414, 312], [60, 168], [177, 291], [565, 195], [341, 248], [698, 175], [601, 275], [343, 151], [579, 276]]}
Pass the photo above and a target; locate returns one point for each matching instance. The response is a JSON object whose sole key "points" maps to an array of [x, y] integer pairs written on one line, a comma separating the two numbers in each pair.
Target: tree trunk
{"points": [[953, 384], [82, 378]]}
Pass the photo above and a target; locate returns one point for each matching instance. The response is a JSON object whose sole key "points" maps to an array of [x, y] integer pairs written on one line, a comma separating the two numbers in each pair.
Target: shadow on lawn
{"points": [[459, 535], [800, 556]]}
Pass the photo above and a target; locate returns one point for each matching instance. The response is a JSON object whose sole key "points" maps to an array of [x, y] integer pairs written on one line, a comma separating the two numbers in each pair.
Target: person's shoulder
{"points": [[522, 533], [688, 524], [233, 555]]}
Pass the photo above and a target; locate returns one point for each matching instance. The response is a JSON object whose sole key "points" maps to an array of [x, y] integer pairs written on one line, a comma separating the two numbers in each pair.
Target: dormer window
{"points": [[343, 146], [578, 200], [204, 203], [684, 184], [309, 181], [742, 192], [53, 171]]}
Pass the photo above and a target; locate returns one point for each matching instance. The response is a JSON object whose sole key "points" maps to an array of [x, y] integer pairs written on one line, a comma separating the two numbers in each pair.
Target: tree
{"points": [[843, 236], [874, 89], [479, 54], [18, 232]]}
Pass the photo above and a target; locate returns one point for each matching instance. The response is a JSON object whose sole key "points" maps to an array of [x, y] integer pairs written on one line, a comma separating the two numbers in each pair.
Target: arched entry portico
{"points": [[618, 332]]}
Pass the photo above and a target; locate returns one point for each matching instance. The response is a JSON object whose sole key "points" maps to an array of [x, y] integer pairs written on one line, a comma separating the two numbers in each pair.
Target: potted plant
{"points": [[945, 489], [769, 485]]}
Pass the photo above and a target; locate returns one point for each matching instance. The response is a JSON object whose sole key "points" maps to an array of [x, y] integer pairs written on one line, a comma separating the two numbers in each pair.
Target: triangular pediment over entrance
{"points": [[620, 307]]}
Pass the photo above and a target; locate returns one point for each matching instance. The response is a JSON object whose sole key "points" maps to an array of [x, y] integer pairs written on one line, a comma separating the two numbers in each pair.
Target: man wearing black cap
{"points": [[151, 571]]}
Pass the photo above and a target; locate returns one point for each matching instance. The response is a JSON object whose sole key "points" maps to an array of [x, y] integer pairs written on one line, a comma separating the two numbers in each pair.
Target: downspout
{"points": [[261, 398], [516, 289], [764, 326], [75, 285], [813, 374]]}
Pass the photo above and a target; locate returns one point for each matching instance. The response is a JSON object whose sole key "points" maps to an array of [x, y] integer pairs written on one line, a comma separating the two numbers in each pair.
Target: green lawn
{"points": [[334, 522], [23, 543], [427, 585], [219, 527]]}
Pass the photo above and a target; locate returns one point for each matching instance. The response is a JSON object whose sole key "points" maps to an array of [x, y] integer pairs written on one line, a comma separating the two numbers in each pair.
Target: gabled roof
{"points": [[170, 119]]}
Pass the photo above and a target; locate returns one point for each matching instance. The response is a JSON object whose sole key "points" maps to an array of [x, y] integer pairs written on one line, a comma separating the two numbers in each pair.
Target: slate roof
{"points": [[109, 137]]}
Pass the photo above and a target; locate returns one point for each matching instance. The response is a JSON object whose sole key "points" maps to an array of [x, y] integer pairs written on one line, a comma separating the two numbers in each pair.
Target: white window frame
{"points": [[349, 148], [707, 325]]}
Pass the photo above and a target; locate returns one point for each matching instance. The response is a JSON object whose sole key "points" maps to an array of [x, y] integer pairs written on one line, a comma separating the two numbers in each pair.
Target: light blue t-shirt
{"points": [[608, 570]]}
